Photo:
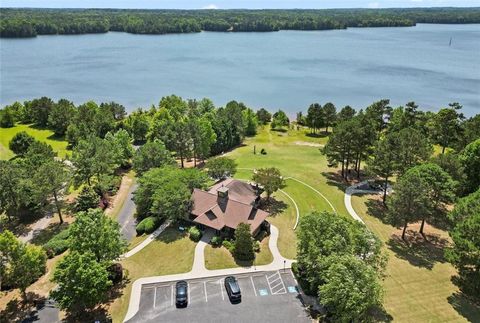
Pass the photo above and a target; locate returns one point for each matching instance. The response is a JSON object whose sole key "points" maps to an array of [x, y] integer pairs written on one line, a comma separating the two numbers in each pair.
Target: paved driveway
{"points": [[266, 297], [125, 215]]}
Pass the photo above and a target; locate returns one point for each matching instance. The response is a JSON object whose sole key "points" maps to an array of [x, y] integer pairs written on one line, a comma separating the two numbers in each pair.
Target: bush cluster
{"points": [[57, 244], [228, 245], [216, 241], [194, 233], [147, 225]]}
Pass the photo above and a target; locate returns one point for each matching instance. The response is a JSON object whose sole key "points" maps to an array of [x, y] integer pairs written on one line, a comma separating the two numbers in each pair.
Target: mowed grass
{"points": [[221, 258], [417, 286], [289, 152], [59, 145], [285, 221], [171, 253]]}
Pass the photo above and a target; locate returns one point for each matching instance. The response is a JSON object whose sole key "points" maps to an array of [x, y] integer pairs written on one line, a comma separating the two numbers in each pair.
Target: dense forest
{"points": [[32, 22]]}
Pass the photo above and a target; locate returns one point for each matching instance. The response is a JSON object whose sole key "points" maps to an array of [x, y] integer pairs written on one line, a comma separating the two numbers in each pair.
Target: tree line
{"points": [[32, 22]]}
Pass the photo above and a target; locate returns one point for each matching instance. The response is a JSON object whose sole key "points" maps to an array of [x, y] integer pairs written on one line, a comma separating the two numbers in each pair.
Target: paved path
{"points": [[36, 227], [147, 241], [199, 256], [126, 215], [348, 198], [278, 263]]}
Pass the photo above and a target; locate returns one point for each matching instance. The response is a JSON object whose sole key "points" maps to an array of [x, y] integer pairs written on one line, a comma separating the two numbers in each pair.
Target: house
{"points": [[226, 205]]}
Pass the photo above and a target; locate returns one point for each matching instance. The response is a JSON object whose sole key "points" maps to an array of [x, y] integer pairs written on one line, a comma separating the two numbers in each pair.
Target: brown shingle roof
{"points": [[237, 190], [216, 212]]}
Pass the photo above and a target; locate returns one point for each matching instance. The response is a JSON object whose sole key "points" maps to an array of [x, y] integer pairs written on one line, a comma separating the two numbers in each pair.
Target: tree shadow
{"points": [[171, 234], [55, 137], [321, 134], [377, 209], [335, 178], [98, 314], [465, 307], [380, 314], [15, 226], [40, 237], [282, 130], [417, 251], [17, 310], [273, 206]]}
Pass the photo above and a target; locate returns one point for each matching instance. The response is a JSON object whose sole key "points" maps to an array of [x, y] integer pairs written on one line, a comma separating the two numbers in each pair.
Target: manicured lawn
{"points": [[221, 258], [417, 286], [171, 253], [303, 162], [6, 134]]}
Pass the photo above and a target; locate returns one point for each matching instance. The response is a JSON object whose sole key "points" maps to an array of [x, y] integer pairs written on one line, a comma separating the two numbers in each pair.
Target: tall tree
{"points": [[264, 116], [445, 127], [314, 117], [466, 245], [410, 201], [470, 159], [41, 109], [243, 243], [98, 234], [82, 282], [20, 143], [329, 113], [413, 148], [60, 116], [153, 154], [279, 119], [351, 289], [384, 160], [221, 168], [270, 179], [346, 113], [121, 143], [250, 121], [52, 177]]}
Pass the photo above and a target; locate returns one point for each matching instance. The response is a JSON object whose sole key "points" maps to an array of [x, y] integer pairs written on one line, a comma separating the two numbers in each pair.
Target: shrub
{"points": [[87, 199], [256, 246], [195, 233], [216, 241], [57, 244], [263, 151], [147, 225], [228, 245], [115, 273]]}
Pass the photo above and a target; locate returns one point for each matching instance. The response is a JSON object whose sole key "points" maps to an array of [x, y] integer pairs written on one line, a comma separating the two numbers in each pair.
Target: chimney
{"points": [[222, 192]]}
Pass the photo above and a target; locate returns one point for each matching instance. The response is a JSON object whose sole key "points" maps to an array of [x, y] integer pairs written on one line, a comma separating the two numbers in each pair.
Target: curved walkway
{"points": [[347, 200], [199, 270], [147, 241]]}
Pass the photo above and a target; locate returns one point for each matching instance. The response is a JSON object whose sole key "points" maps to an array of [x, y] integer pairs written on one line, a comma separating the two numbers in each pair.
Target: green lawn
{"points": [[417, 286], [171, 253], [6, 134], [221, 258]]}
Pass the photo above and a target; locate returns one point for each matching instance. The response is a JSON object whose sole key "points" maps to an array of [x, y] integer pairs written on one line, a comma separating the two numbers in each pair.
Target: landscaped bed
{"points": [[221, 258]]}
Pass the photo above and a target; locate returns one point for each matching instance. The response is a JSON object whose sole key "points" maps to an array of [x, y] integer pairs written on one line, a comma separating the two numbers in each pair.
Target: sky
{"points": [[230, 4]]}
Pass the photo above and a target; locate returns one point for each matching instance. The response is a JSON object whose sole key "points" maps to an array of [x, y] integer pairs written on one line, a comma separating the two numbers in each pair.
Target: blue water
{"points": [[287, 69]]}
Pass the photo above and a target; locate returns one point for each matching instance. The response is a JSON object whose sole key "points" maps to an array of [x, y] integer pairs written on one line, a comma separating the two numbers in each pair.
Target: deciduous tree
{"points": [[221, 168], [270, 179]]}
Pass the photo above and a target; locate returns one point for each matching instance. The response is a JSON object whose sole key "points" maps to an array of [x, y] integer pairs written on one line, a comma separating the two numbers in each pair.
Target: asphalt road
{"points": [[266, 297], [45, 313], [125, 216]]}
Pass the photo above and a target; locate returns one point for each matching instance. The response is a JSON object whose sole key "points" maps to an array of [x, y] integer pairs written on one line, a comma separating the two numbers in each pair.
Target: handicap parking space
{"points": [[266, 296]]}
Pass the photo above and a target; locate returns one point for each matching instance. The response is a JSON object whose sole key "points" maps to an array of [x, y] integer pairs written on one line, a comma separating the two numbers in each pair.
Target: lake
{"points": [[287, 69]]}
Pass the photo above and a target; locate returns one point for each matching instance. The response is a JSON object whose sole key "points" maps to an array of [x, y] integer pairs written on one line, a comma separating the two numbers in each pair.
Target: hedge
{"points": [[147, 225]]}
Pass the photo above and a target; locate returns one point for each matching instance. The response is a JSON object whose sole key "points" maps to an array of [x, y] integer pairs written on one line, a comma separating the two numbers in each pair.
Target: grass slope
{"points": [[6, 134]]}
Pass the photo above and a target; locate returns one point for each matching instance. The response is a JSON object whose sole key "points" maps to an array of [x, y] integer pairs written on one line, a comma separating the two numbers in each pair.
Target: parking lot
{"points": [[266, 297]]}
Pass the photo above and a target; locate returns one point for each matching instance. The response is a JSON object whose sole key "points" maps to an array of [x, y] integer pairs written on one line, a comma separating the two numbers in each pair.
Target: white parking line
{"points": [[221, 289], [205, 289], [269, 284], [279, 284], [154, 297], [254, 290], [188, 288], [284, 288], [171, 298]]}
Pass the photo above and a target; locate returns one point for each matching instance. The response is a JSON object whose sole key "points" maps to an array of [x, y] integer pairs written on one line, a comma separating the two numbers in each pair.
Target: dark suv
{"points": [[233, 290], [181, 297]]}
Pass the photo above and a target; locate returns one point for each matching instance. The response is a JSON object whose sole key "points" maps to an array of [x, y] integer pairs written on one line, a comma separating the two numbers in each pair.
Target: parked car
{"points": [[233, 289], [181, 295]]}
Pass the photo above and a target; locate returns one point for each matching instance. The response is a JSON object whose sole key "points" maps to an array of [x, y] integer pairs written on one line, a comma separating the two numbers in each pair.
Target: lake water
{"points": [[287, 69]]}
